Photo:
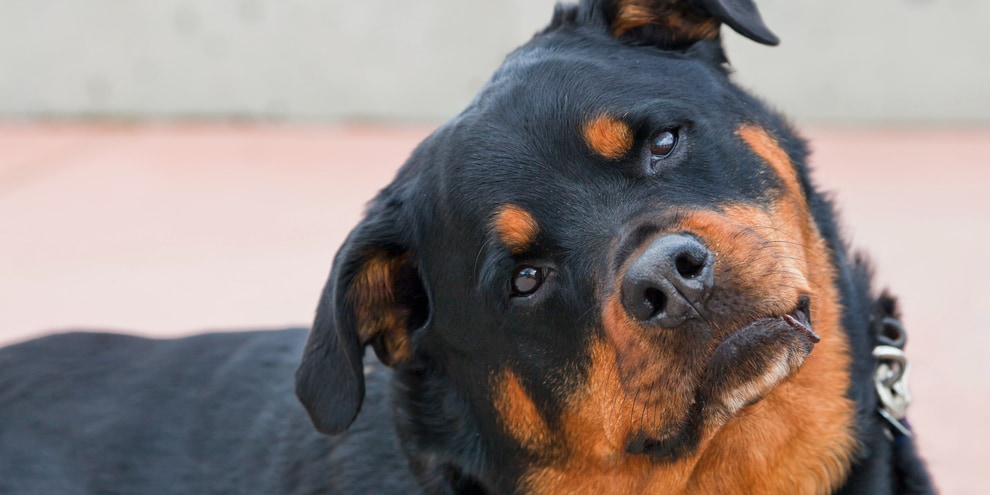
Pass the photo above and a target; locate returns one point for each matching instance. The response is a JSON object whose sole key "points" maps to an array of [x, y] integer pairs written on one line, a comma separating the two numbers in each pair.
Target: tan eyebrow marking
{"points": [[608, 136], [515, 227]]}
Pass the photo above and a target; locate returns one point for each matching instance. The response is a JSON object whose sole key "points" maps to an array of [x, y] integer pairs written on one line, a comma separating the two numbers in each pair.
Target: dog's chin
{"points": [[743, 370]]}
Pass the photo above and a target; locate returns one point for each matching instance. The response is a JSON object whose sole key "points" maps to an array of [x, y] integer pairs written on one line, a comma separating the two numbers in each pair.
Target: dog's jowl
{"points": [[610, 274]]}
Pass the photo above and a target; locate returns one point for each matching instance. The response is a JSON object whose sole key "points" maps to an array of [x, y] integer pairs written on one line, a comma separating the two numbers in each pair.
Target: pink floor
{"points": [[166, 230]]}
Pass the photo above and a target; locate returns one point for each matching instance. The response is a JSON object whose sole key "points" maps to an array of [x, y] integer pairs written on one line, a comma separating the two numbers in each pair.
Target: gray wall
{"points": [[846, 61]]}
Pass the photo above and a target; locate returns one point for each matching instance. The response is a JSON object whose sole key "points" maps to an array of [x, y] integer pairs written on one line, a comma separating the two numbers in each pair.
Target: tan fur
{"points": [[678, 25], [631, 15], [515, 227], [596, 427], [608, 136], [805, 426], [520, 416], [767, 148], [376, 311], [797, 440]]}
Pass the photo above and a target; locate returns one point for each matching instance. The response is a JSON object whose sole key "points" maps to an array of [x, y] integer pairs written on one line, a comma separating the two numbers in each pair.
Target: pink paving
{"points": [[167, 230]]}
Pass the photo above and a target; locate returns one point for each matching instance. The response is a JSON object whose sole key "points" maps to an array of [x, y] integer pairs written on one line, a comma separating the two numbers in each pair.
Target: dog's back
{"points": [[214, 413]]}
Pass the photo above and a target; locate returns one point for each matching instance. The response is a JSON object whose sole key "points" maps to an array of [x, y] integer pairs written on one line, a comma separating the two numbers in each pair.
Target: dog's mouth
{"points": [[750, 359], [800, 319]]}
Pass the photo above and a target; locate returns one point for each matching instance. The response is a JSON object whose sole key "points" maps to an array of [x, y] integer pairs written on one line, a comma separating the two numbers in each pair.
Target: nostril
{"points": [[643, 298], [667, 280], [689, 266], [655, 300]]}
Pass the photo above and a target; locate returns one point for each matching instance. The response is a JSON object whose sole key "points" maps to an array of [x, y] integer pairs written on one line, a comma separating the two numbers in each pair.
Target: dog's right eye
{"points": [[527, 279], [663, 144]]}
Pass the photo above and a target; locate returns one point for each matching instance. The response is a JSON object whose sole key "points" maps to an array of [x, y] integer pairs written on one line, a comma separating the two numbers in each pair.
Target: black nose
{"points": [[668, 282]]}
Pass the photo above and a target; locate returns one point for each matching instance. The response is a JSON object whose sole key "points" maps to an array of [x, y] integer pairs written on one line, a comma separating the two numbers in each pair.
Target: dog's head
{"points": [[609, 274]]}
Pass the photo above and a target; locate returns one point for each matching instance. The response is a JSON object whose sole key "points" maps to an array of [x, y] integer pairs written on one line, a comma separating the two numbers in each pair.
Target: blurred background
{"points": [[172, 166]]}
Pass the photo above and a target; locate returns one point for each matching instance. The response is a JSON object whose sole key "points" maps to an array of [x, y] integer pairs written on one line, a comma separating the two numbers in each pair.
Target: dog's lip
{"points": [[800, 319]]}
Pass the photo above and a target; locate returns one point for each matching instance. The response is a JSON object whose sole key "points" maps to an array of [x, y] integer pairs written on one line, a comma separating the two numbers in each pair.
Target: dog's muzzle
{"points": [[669, 281]]}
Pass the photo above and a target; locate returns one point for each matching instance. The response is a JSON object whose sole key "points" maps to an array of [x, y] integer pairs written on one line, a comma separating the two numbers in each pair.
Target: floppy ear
{"points": [[374, 296], [680, 23]]}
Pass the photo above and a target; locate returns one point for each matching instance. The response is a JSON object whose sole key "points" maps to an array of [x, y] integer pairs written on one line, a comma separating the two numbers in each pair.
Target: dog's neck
{"points": [[422, 391]]}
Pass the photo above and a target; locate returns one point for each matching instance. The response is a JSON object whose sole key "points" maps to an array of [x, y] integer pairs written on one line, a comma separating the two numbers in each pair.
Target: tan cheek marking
{"points": [[516, 228], [376, 309], [597, 423], [756, 255], [519, 414], [805, 441], [608, 136], [649, 369], [767, 148], [799, 439]]}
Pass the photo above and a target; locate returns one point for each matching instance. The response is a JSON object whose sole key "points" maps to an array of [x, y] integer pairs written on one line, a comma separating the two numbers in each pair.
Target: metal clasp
{"points": [[891, 379]]}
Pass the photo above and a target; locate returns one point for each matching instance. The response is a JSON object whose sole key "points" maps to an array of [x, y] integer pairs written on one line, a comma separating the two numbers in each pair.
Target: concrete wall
{"points": [[847, 61], [873, 60]]}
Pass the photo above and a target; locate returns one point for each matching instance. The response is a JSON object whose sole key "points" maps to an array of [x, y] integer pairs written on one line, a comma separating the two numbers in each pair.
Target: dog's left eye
{"points": [[663, 144], [527, 279]]}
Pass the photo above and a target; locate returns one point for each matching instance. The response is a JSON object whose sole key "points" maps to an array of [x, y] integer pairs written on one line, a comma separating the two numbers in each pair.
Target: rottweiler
{"points": [[610, 274]]}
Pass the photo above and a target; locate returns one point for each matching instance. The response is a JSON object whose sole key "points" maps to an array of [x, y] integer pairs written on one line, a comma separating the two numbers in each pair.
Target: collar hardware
{"points": [[891, 375]]}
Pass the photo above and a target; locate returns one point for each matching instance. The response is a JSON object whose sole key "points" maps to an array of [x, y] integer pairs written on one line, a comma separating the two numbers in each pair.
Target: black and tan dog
{"points": [[610, 274]]}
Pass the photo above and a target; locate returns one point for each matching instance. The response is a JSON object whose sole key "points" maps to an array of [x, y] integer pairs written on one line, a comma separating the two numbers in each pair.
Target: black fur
{"points": [[102, 413], [217, 413]]}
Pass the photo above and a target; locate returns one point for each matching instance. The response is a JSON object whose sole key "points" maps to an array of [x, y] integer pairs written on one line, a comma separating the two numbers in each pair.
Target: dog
{"points": [[610, 274]]}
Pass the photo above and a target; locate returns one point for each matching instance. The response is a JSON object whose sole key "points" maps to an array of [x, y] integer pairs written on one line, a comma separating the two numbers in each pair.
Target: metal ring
{"points": [[890, 378], [895, 361], [892, 333]]}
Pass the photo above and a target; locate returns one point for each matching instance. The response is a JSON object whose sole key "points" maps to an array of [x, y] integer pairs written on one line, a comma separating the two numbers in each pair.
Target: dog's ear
{"points": [[374, 296], [679, 23]]}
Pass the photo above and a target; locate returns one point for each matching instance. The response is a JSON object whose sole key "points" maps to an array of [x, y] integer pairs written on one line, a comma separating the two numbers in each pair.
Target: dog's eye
{"points": [[663, 144], [526, 280]]}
